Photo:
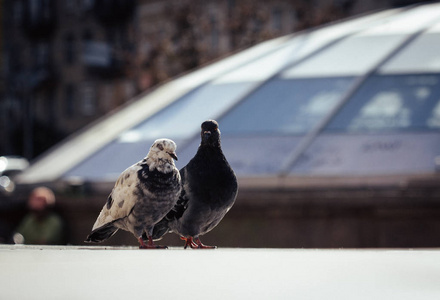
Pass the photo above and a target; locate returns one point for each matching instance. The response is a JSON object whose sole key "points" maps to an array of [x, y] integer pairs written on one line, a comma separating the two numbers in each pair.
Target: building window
{"points": [[214, 33], [107, 97], [87, 38], [71, 7], [18, 12], [277, 14], [69, 96], [87, 4], [88, 99], [15, 61], [34, 8], [69, 51], [41, 52]]}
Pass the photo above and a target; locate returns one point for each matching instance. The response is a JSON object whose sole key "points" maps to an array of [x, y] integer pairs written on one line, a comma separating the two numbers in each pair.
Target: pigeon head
{"points": [[210, 133], [161, 156]]}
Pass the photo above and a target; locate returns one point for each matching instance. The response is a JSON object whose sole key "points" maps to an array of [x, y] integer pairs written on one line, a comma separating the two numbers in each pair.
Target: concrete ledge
{"points": [[70, 272]]}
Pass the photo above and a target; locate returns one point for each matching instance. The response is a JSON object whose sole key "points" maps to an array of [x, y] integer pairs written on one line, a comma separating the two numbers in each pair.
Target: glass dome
{"points": [[359, 97]]}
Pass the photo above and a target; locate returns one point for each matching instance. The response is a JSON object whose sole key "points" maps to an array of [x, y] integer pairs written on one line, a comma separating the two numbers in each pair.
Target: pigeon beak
{"points": [[206, 134], [173, 155]]}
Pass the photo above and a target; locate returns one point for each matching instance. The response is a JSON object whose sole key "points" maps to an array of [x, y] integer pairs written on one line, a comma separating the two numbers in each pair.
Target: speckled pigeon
{"points": [[209, 189], [143, 194]]}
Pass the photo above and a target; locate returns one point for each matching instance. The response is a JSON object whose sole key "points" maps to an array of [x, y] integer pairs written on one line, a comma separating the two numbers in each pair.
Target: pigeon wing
{"points": [[122, 198]]}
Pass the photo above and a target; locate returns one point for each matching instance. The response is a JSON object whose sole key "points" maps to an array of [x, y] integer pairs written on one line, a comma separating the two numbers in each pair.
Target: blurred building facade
{"points": [[60, 60], [66, 63]]}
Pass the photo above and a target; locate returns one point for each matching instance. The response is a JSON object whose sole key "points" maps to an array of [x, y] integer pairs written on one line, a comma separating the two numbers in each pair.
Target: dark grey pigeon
{"points": [[143, 194], [209, 191]]}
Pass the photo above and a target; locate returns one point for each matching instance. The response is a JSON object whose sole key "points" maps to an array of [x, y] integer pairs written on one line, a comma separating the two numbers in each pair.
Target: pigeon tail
{"points": [[102, 233]]}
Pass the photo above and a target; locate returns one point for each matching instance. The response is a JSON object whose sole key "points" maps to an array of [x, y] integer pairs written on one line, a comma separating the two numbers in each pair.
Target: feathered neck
{"points": [[209, 153], [160, 161], [211, 143]]}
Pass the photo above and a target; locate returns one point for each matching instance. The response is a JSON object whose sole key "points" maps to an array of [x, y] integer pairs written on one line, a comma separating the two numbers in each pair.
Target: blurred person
{"points": [[41, 225]]}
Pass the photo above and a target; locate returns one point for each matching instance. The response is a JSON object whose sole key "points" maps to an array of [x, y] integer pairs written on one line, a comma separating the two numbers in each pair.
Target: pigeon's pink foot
{"points": [[201, 246], [195, 243], [188, 242], [150, 244]]}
